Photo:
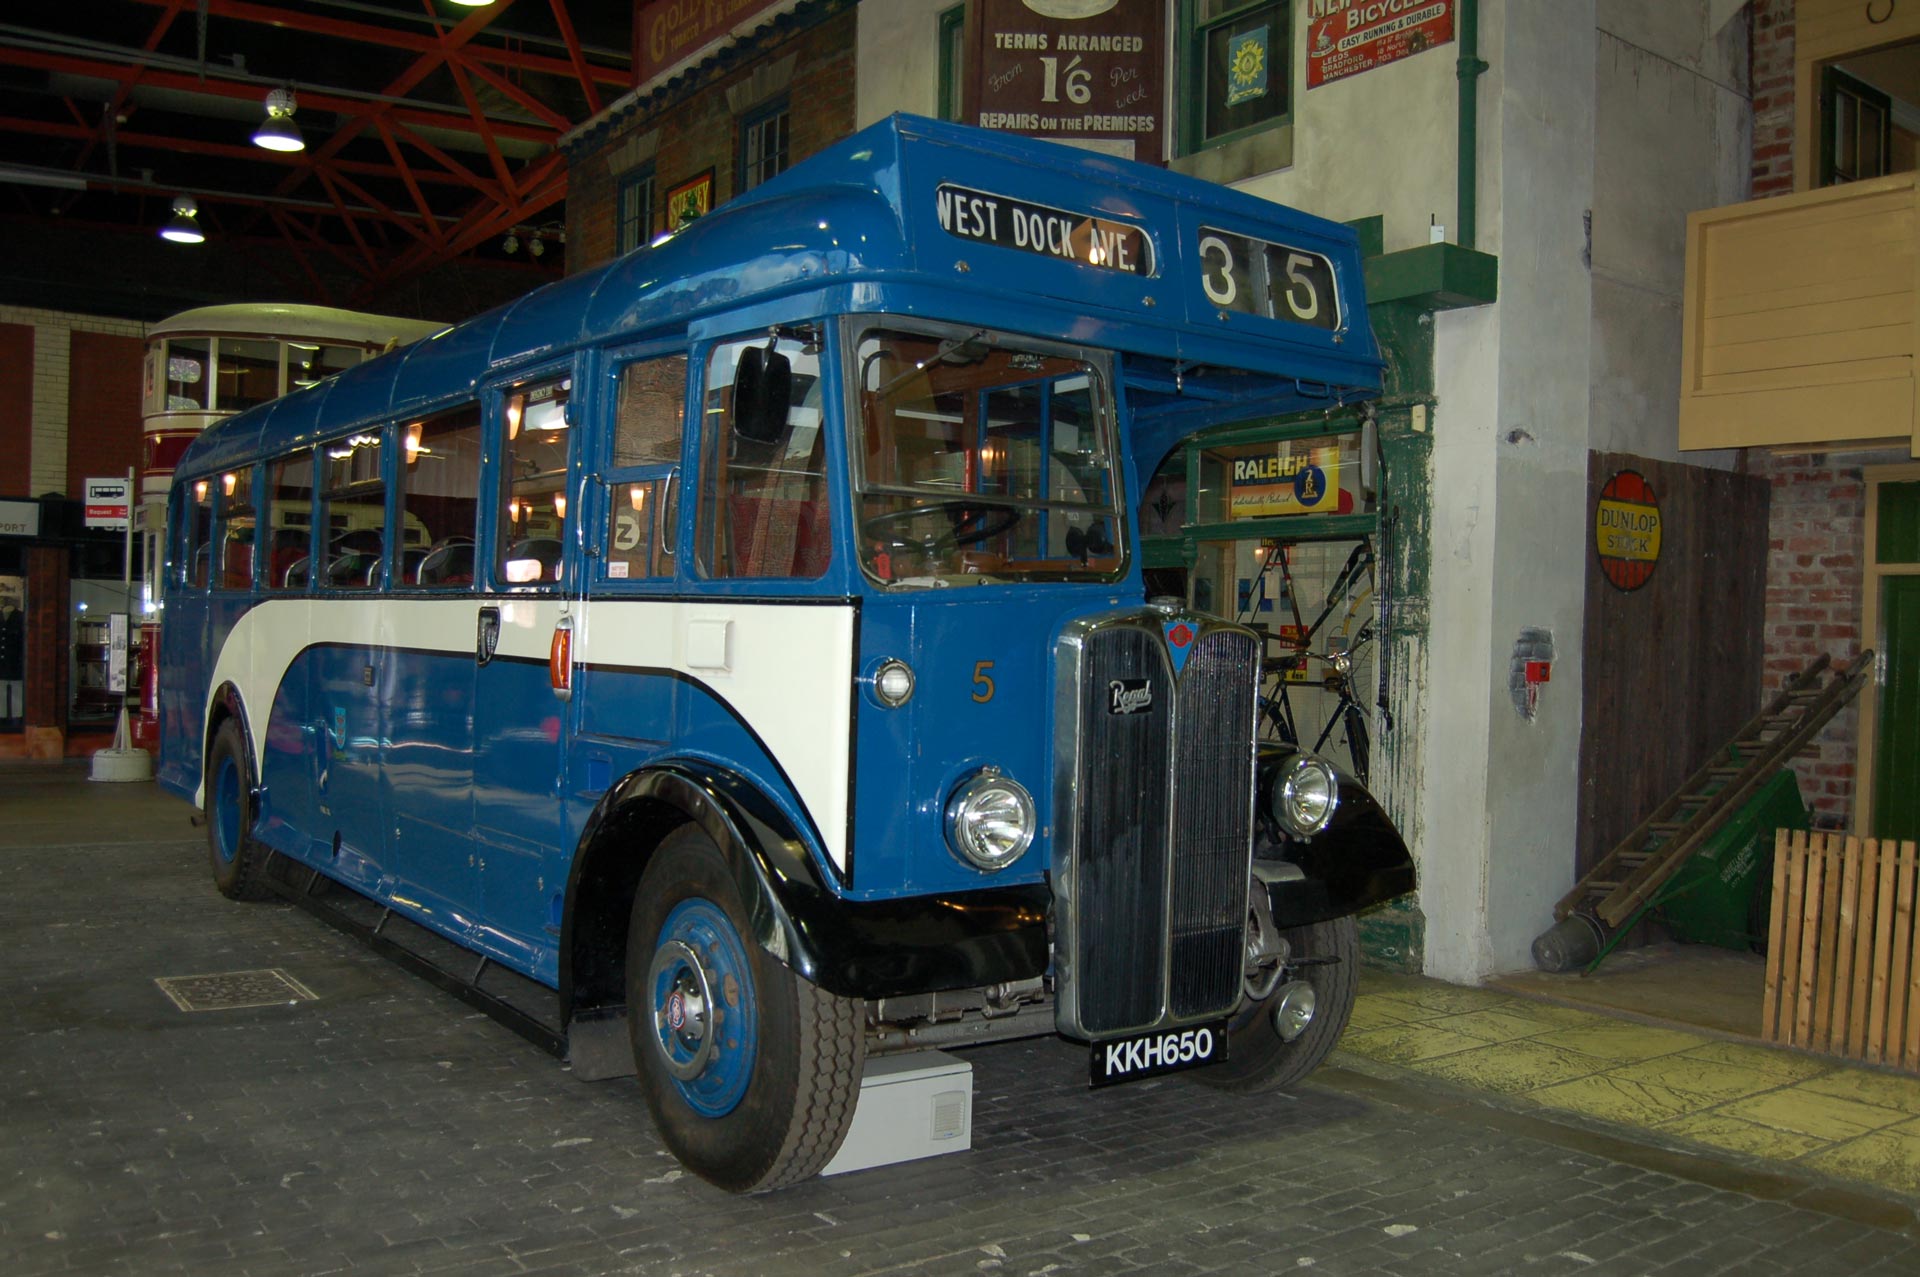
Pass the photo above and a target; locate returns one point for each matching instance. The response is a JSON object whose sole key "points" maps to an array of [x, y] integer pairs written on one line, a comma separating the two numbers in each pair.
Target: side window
{"points": [[636, 208], [763, 492], [763, 144], [648, 418], [289, 546], [354, 538], [1236, 75], [196, 535], [440, 498], [531, 520], [237, 529]]}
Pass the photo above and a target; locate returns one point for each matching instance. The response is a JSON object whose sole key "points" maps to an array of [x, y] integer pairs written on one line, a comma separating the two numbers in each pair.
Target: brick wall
{"points": [[103, 407], [1771, 74], [53, 386], [700, 132], [1817, 547]]}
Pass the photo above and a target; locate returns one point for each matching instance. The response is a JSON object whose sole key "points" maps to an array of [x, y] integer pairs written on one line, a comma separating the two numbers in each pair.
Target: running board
{"points": [[412, 946]]}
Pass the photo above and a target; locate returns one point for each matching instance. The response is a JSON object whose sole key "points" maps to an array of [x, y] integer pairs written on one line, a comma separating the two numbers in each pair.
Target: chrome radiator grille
{"points": [[1156, 801]]}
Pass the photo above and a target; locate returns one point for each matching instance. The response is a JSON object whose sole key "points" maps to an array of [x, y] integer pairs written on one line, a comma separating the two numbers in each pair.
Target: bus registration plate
{"points": [[1162, 1051]]}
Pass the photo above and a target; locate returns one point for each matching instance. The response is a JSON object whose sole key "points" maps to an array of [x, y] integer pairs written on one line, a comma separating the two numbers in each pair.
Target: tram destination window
{"points": [[649, 419], [763, 492], [439, 499], [356, 511], [289, 549], [532, 516], [236, 529], [983, 460]]}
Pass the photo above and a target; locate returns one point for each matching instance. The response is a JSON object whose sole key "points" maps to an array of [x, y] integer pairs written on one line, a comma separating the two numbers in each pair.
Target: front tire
{"points": [[1257, 1060], [238, 860], [751, 1073]]}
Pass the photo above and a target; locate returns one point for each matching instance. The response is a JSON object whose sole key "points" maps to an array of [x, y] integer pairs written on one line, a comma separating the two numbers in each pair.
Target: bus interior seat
{"points": [[449, 562]]}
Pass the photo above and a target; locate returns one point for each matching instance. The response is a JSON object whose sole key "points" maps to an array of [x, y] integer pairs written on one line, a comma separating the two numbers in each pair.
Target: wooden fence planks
{"points": [[1843, 976]]}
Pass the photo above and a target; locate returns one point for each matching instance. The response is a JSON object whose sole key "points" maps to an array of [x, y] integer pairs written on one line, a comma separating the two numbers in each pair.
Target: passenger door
{"points": [[428, 699], [521, 726]]}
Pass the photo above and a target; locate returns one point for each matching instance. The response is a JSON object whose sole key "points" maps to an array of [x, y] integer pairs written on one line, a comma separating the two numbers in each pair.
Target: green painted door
{"points": [[1896, 767]]}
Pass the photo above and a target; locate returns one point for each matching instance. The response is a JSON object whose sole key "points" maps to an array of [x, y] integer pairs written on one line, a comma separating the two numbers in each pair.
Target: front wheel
{"points": [[751, 1073], [1258, 1059]]}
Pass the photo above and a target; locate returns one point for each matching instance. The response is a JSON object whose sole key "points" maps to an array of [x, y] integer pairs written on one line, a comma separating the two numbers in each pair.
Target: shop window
{"points": [[355, 498], [439, 499], [953, 46], [1856, 129], [289, 550], [763, 492], [532, 517], [763, 144], [1236, 69], [237, 529], [649, 414], [636, 208]]}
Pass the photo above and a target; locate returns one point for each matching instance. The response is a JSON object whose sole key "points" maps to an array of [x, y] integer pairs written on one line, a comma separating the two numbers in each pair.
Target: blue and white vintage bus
{"points": [[747, 641]]}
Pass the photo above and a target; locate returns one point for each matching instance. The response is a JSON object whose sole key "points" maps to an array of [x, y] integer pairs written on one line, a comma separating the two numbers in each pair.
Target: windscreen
{"points": [[983, 460]]}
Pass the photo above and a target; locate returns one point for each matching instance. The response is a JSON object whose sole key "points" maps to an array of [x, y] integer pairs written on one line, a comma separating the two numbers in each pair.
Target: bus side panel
{"points": [[519, 742], [287, 737], [344, 704], [185, 668]]}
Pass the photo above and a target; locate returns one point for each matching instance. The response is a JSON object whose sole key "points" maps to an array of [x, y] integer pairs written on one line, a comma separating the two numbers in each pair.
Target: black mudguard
{"points": [[864, 949], [1357, 861]]}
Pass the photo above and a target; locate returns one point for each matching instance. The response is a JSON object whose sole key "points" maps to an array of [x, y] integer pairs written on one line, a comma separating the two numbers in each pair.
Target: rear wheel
{"points": [[751, 1073], [238, 860], [1258, 1059]]}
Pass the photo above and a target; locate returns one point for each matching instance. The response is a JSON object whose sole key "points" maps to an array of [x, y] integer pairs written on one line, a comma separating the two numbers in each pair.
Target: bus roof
{"points": [[291, 320], [918, 217]]}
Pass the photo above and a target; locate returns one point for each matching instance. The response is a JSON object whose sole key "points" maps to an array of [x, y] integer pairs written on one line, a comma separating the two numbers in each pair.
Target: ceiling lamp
{"points": [[473, 4], [511, 244], [278, 132], [182, 229], [536, 246]]}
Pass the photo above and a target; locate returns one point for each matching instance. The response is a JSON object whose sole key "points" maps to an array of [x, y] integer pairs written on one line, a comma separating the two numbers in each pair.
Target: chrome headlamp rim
{"points": [[892, 670], [1306, 793], [964, 815]]}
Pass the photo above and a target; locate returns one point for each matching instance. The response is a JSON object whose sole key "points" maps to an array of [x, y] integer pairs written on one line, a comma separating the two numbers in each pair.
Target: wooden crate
{"points": [[1843, 976]]}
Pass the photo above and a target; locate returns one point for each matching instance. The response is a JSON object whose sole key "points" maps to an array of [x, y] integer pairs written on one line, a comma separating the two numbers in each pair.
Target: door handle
{"points": [[489, 636]]}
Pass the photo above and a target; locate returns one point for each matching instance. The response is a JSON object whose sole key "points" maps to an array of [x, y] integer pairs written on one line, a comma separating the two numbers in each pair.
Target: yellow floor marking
{"points": [[1512, 1068], [1407, 1043], [1738, 1136], [1883, 1090], [1621, 1040], [1377, 1013], [1607, 1096], [1787, 1066], [1810, 1113], [1890, 1158], [1695, 1076], [1502, 1024], [1426, 999]]}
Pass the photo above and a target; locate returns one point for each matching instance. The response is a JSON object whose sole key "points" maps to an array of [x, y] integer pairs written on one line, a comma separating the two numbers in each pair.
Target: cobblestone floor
{"points": [[385, 1128]]}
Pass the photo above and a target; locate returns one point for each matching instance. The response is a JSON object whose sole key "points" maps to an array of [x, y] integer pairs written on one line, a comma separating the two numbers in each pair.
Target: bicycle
{"points": [[1341, 656]]}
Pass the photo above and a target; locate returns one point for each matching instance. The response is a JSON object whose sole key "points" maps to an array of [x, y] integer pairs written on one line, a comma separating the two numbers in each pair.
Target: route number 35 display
{"points": [[1258, 278]]}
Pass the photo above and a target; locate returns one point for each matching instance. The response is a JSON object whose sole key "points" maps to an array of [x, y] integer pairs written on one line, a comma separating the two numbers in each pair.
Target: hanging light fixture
{"points": [[278, 132], [536, 246], [182, 228]]}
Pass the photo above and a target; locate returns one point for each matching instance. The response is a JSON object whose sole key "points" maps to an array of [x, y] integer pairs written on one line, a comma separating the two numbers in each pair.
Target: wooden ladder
{"points": [[1620, 887]]}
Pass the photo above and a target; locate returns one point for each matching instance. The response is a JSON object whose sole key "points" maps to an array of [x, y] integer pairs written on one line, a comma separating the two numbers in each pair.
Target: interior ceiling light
{"points": [[473, 4], [278, 132], [182, 228]]}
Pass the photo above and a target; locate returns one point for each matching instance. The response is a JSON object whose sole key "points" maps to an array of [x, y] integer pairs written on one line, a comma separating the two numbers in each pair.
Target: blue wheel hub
{"points": [[704, 1023], [226, 809]]}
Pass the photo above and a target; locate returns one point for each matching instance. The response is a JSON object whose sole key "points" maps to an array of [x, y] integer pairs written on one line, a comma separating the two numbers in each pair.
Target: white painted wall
{"points": [[1636, 111]]}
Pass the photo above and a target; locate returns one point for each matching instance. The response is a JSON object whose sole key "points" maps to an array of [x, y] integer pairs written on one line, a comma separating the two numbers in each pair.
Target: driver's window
{"points": [[763, 491]]}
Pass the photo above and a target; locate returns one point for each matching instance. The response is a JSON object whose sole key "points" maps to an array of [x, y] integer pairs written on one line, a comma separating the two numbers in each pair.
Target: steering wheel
{"points": [[972, 524]]}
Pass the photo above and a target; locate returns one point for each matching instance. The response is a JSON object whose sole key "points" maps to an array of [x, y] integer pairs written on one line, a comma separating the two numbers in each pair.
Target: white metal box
{"points": [[910, 1106]]}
